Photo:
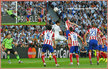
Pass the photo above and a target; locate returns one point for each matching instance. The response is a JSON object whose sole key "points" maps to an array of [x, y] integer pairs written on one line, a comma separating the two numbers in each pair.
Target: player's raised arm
{"points": [[99, 32], [41, 36], [72, 23], [85, 37], [81, 38], [53, 39]]}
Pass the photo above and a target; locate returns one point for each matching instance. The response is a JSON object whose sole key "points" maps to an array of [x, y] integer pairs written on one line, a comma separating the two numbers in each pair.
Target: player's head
{"points": [[48, 27], [57, 22], [8, 35], [70, 29], [93, 25], [65, 19]]}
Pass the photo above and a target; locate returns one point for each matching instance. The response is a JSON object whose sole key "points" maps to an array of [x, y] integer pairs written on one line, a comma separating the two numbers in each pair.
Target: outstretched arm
{"points": [[81, 39], [73, 23], [85, 37]]}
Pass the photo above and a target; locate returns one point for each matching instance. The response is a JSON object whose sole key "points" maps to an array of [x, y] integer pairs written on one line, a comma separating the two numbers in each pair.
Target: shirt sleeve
{"points": [[88, 31], [53, 35], [69, 36], [43, 33], [59, 29], [99, 31], [11, 40], [3, 41]]}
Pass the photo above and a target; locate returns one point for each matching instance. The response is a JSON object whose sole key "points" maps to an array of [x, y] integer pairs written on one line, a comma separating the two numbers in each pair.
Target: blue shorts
{"points": [[100, 48], [47, 46], [67, 32], [74, 49], [28, 16], [105, 48], [93, 44]]}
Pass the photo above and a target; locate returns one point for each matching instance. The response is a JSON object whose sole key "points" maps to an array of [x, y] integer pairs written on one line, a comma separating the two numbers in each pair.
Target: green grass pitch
{"points": [[64, 63], [24, 23]]}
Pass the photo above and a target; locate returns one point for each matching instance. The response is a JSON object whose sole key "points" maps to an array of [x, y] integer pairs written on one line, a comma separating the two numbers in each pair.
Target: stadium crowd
{"points": [[83, 17]]}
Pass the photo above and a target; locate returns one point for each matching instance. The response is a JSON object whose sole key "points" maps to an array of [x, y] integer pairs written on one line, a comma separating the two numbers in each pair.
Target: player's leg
{"points": [[43, 56], [50, 48], [90, 51], [95, 44], [8, 56], [105, 51], [27, 17], [72, 48], [101, 53], [76, 53], [17, 56], [50, 56]]}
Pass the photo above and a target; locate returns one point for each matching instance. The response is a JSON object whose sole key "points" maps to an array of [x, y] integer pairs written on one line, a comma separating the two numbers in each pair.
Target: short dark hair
{"points": [[70, 28], [7, 34], [65, 19], [57, 21], [48, 27]]}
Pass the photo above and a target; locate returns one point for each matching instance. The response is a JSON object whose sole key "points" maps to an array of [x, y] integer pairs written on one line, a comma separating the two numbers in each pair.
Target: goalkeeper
{"points": [[7, 46], [10, 12]]}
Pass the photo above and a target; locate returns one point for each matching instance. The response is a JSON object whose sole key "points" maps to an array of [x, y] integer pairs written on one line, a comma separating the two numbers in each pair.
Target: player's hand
{"points": [[16, 44], [85, 44], [102, 46], [54, 47]]}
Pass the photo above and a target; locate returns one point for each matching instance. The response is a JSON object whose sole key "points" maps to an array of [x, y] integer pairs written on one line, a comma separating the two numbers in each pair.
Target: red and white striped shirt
{"points": [[68, 25], [48, 37], [100, 40], [74, 38], [29, 11], [93, 33]]}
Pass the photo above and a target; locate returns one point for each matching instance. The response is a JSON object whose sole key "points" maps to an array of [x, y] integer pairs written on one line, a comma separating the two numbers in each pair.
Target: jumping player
{"points": [[47, 44], [102, 48], [58, 31], [28, 14], [93, 43], [7, 46], [68, 25], [73, 44]]}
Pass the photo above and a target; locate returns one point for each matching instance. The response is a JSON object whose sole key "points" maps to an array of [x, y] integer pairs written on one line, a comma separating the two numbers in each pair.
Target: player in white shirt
{"points": [[57, 31]]}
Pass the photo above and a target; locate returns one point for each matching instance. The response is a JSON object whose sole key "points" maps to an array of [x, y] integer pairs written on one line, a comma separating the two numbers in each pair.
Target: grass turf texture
{"points": [[24, 23], [64, 63]]}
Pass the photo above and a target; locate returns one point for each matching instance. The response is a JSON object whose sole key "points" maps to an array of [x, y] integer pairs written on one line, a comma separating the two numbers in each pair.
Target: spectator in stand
{"points": [[83, 52]]}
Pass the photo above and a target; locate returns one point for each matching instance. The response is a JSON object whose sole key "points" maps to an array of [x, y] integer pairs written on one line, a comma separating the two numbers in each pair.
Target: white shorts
{"points": [[60, 37]]}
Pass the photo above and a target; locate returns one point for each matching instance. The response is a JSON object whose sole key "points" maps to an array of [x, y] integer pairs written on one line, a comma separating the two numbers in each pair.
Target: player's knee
{"points": [[8, 52], [42, 53], [15, 53]]}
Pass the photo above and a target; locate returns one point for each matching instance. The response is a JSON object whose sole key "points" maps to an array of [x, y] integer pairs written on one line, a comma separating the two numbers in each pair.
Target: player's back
{"points": [[93, 33], [74, 38], [48, 37], [56, 29]]}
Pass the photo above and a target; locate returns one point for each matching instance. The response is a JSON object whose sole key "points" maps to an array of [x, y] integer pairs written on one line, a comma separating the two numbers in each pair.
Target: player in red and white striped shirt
{"points": [[73, 44], [68, 25], [102, 48], [93, 43], [48, 41], [28, 14]]}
